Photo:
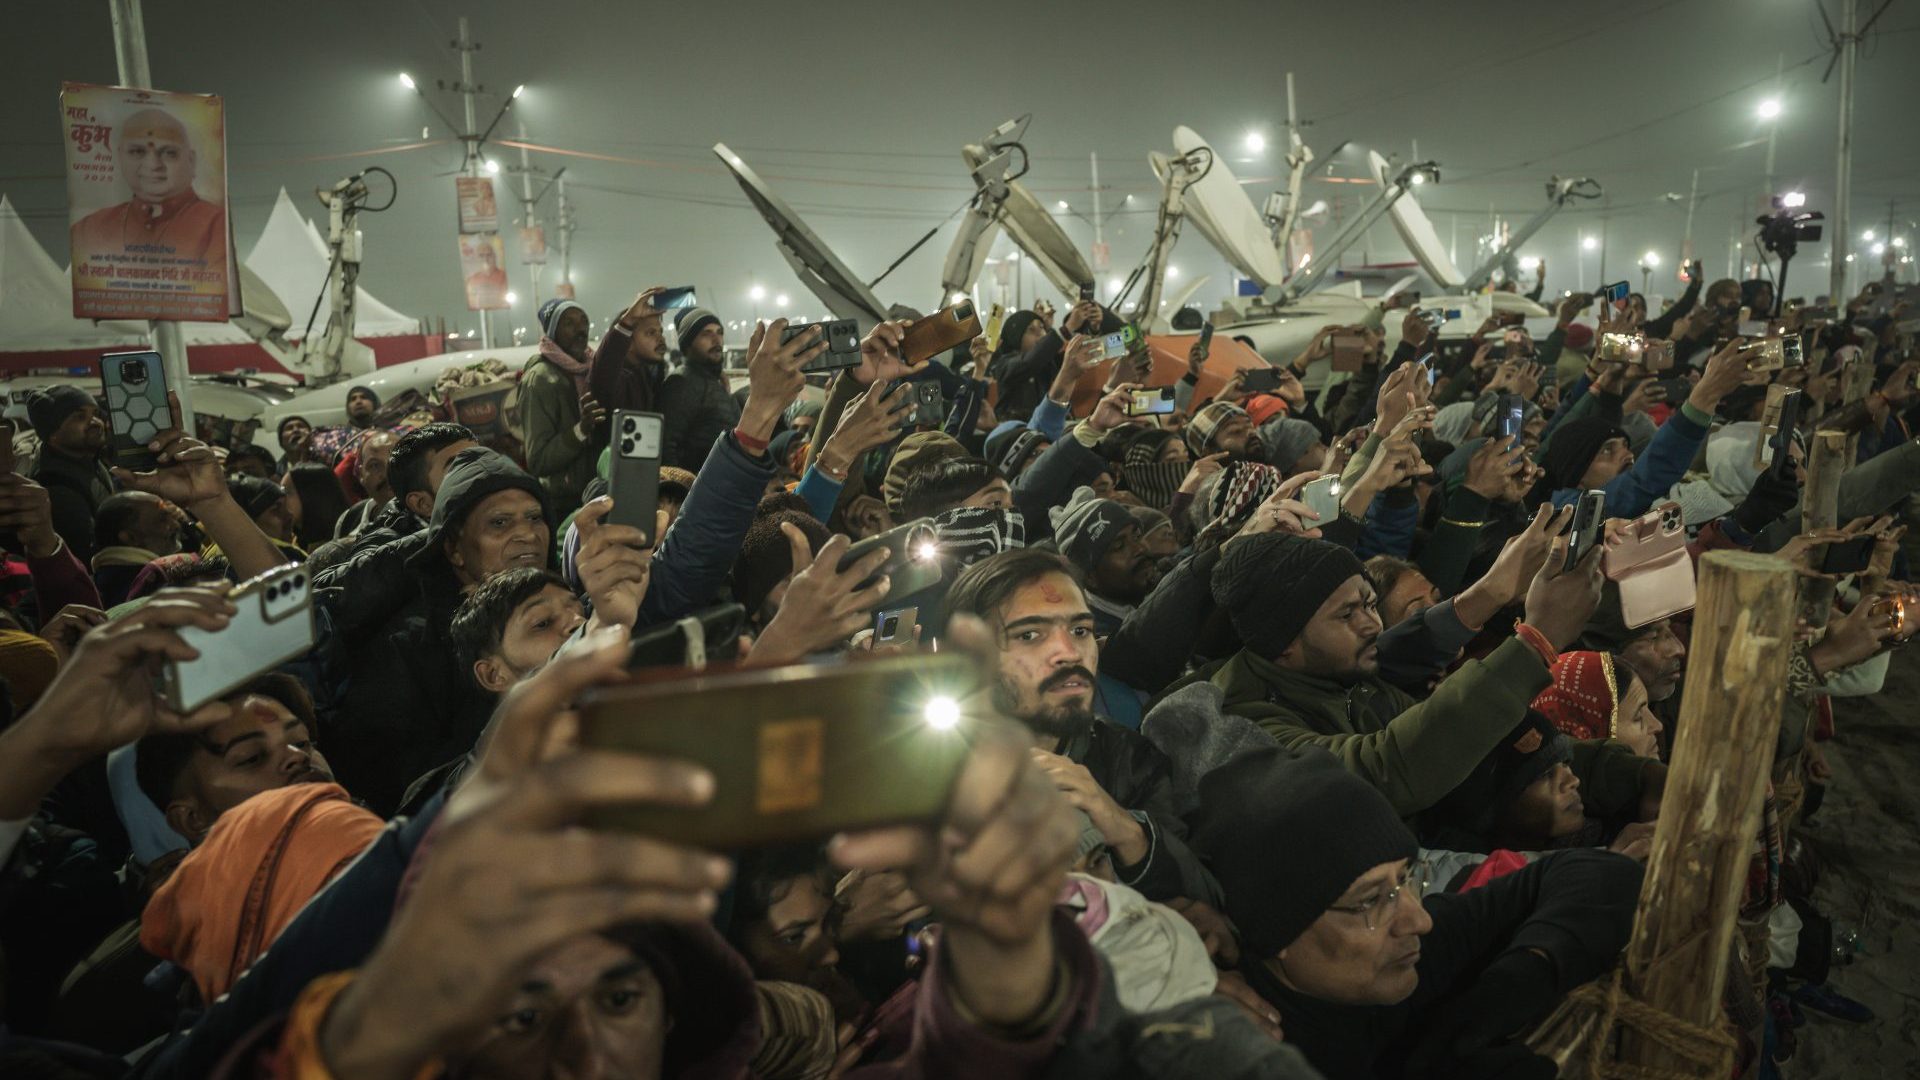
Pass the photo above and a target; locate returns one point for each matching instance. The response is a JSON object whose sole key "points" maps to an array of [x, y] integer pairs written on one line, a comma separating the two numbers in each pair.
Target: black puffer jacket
{"points": [[404, 705], [1137, 775], [698, 409]]}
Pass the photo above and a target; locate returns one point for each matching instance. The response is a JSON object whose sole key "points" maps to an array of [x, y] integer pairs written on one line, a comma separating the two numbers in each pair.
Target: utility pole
{"points": [[1847, 43], [1693, 197], [130, 54], [470, 137], [1773, 129], [526, 221], [1099, 235], [566, 233]]}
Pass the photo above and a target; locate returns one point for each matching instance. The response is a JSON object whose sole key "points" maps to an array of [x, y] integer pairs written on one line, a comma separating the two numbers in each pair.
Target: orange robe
{"points": [[191, 226]]}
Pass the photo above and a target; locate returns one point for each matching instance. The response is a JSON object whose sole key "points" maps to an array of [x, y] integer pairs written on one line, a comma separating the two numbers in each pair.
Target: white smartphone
{"points": [[272, 623], [1322, 496]]}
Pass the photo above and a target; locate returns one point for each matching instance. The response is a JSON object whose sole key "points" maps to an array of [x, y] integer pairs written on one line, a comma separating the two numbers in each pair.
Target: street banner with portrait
{"points": [[533, 245], [147, 204], [481, 259], [479, 213]]}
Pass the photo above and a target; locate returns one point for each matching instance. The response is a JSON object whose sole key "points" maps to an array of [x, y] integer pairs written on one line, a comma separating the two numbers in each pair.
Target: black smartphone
{"points": [[680, 296], [913, 557], [1206, 339], [1589, 514], [1848, 556], [1260, 380], [705, 637], [633, 470], [1781, 467], [1086, 291], [843, 344]]}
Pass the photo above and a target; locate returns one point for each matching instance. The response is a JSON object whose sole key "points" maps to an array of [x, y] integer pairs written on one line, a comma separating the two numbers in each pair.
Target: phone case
{"points": [[1322, 496], [913, 560], [1589, 517], [843, 344], [272, 623], [1349, 351], [1648, 560], [895, 626], [633, 471], [1260, 380], [796, 752], [135, 384], [1770, 415], [1151, 401], [939, 332]]}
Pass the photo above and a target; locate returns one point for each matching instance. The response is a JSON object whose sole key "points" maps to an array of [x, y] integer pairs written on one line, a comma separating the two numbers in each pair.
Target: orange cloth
{"points": [[259, 865], [190, 226]]}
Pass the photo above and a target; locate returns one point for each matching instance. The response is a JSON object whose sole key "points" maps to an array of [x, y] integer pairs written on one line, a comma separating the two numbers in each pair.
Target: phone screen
{"points": [[678, 297]]}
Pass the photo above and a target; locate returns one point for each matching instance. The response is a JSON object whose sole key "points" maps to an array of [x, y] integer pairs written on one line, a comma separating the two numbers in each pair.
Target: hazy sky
{"points": [[859, 109]]}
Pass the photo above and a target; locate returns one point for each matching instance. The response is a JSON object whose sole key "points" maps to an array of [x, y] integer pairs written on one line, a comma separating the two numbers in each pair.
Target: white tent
{"points": [[291, 257]]}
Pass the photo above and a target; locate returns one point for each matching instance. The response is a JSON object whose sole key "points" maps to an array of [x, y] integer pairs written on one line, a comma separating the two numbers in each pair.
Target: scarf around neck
{"points": [[552, 353]]}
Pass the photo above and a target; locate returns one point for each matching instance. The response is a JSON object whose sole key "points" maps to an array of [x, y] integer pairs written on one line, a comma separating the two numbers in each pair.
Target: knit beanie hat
{"points": [[1286, 835], [1285, 440], [1264, 407], [1012, 330], [550, 313], [28, 663], [1145, 446], [1000, 439], [255, 496], [920, 450], [1572, 449], [48, 409], [1150, 520], [1238, 489], [691, 322], [1087, 527], [1579, 337], [367, 390], [1272, 584], [1584, 700], [1208, 420]]}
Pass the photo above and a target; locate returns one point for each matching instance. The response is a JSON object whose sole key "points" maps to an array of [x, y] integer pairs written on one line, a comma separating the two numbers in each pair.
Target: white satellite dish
{"points": [[818, 268], [1220, 208], [1033, 230], [1417, 232]]}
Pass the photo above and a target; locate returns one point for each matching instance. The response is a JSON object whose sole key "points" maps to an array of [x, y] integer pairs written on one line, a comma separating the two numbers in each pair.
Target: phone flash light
{"points": [[927, 551], [1334, 488], [943, 713]]}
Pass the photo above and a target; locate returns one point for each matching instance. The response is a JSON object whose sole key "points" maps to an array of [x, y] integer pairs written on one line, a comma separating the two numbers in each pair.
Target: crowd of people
{"points": [[1250, 787]]}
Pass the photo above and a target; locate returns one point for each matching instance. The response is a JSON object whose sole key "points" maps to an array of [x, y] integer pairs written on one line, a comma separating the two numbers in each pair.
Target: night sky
{"points": [[856, 111]]}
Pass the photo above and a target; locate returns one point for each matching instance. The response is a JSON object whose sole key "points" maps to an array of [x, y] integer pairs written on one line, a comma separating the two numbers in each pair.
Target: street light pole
{"points": [[130, 53], [470, 136], [526, 221], [1848, 44]]}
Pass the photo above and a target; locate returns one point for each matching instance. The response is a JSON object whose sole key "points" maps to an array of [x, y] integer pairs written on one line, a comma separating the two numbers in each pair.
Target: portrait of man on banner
{"points": [[479, 212], [533, 244], [146, 192], [481, 257]]}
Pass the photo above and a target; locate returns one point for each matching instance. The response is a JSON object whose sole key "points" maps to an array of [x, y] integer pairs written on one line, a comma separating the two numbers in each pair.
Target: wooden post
{"points": [[1820, 509], [1676, 961], [1856, 382], [1722, 753]]}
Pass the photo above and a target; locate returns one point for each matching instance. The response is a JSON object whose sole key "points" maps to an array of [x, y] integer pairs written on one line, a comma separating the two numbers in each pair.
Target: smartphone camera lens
{"points": [[299, 580], [890, 627], [626, 446], [273, 592]]}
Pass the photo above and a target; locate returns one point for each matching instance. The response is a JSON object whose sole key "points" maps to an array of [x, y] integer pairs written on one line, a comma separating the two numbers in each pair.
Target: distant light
{"points": [[512, 299], [1419, 178], [1793, 199], [471, 333], [780, 301], [757, 293], [1588, 243], [1530, 263], [1128, 307], [957, 298], [1651, 258], [1013, 256], [943, 713], [1769, 108], [1114, 284], [406, 80], [493, 166], [1173, 272], [1306, 257], [1867, 236], [1879, 249], [1899, 241], [1256, 143], [1849, 259], [1062, 204], [518, 90]]}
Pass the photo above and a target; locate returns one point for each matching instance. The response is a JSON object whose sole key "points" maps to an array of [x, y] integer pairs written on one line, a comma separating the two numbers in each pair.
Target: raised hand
{"points": [[615, 562], [824, 606]]}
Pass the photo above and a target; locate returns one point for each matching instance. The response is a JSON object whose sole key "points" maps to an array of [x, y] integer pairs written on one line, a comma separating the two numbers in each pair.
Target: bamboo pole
{"points": [[1827, 456], [1722, 753], [1676, 961]]}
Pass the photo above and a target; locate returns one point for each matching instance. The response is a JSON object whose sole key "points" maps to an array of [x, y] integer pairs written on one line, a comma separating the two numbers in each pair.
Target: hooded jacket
{"points": [[407, 705]]}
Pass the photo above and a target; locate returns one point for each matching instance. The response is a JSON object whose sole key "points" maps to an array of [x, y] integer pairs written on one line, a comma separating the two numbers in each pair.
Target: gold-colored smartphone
{"points": [[798, 752], [1648, 560]]}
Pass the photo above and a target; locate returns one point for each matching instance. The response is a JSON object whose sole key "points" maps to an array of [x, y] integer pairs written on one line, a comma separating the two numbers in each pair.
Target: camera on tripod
{"points": [[1782, 230]]}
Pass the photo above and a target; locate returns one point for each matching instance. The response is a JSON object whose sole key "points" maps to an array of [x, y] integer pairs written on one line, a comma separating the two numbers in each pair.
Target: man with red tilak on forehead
{"points": [[158, 163]]}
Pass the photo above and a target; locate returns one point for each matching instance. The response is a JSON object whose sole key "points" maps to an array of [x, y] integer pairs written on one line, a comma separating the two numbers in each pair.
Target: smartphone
{"points": [[1349, 351], [1322, 496], [1781, 466], [135, 385], [1426, 364], [1616, 294], [1589, 514], [705, 637], [1655, 354], [895, 627], [1648, 560], [1751, 328], [1849, 556], [1509, 318], [1086, 292], [797, 752], [929, 405], [939, 332], [1773, 354], [272, 624], [1119, 343], [1675, 391], [1152, 401], [1260, 380], [1513, 416], [1614, 347], [633, 470], [1206, 339], [843, 344], [680, 296], [913, 560]]}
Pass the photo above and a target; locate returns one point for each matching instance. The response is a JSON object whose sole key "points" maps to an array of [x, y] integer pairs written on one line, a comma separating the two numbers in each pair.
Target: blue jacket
{"points": [[1050, 481], [697, 553], [1654, 473]]}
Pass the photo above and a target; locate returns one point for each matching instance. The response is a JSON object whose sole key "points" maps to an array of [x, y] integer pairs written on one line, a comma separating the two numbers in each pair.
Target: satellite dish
{"points": [[1402, 285], [1028, 225], [818, 268], [1416, 231], [1219, 207]]}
